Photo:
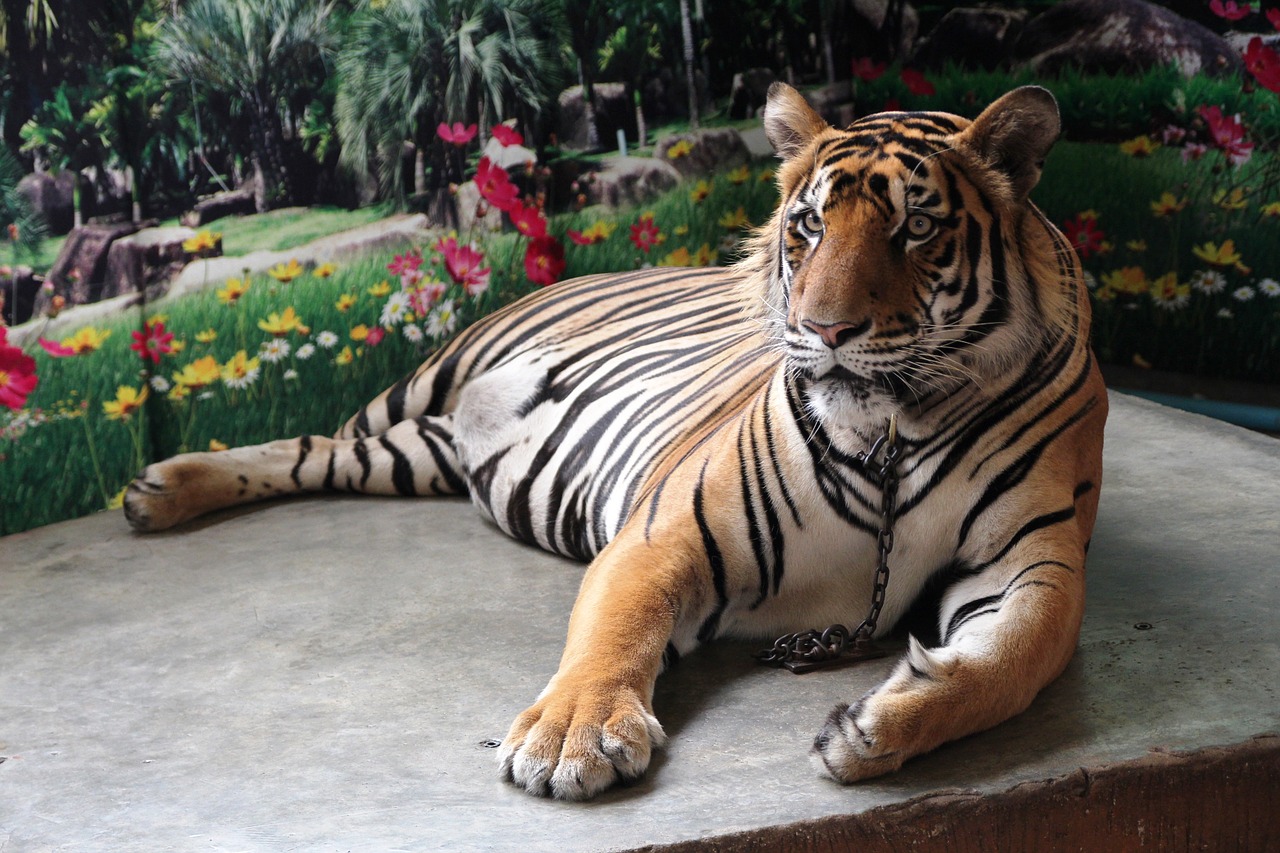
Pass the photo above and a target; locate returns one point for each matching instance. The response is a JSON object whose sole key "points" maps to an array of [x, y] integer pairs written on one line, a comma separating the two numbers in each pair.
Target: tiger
{"points": [[697, 437]]}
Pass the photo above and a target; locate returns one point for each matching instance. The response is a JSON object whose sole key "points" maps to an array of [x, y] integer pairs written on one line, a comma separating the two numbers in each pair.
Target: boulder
{"points": [[834, 102], [710, 151], [1120, 37], [468, 203], [143, 261], [628, 180], [872, 31], [749, 93], [614, 110], [18, 289], [238, 202], [973, 37], [51, 196], [77, 274]]}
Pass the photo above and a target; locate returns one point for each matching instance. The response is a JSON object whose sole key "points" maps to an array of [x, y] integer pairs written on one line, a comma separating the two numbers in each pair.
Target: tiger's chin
{"points": [[845, 399]]}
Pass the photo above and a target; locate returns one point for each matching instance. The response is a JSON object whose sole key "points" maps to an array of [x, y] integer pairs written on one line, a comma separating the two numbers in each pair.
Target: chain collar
{"points": [[805, 651]]}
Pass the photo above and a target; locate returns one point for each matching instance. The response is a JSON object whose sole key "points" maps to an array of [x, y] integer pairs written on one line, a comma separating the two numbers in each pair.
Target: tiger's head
{"points": [[905, 262]]}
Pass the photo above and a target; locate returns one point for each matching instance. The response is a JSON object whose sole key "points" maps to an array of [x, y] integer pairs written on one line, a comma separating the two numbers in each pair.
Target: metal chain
{"points": [[804, 651]]}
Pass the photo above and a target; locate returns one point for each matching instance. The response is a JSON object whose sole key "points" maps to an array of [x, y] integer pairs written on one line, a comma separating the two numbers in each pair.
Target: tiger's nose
{"points": [[835, 334]]}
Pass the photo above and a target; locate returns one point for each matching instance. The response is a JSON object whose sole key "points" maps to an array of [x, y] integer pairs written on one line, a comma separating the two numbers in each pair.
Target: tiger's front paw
{"points": [[855, 744], [574, 743]]}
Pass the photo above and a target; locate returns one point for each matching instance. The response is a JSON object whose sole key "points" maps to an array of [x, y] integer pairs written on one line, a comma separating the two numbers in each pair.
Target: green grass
{"points": [[289, 228]]}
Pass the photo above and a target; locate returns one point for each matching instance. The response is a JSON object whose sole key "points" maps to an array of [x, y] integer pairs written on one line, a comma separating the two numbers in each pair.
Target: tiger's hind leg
{"points": [[414, 457]]}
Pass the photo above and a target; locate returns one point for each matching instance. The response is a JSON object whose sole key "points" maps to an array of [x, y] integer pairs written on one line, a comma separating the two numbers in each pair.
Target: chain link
{"points": [[807, 650]]}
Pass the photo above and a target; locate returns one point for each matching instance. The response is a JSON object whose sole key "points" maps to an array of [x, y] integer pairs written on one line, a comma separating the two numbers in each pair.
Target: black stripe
{"points": [[714, 559], [401, 470], [305, 443]]}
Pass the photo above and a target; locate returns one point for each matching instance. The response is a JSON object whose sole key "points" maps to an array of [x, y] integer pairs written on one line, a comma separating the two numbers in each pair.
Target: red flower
{"points": [[1273, 15], [1228, 134], [463, 265], [529, 221], [56, 349], [458, 135], [495, 185], [866, 69], [426, 296], [1231, 10], [1263, 63], [375, 336], [916, 82], [408, 262], [645, 233], [1085, 235], [152, 342], [507, 135], [17, 374], [544, 261]]}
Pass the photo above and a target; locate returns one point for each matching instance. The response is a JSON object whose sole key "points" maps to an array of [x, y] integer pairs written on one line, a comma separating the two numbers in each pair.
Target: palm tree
{"points": [[408, 65], [260, 53], [63, 132]]}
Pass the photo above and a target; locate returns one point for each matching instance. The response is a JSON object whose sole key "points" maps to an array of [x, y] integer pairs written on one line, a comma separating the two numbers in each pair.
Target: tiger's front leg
{"points": [[593, 725], [1006, 633]]}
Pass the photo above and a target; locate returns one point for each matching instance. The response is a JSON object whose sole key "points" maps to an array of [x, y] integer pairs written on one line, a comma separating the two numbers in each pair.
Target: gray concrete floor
{"points": [[321, 674]]}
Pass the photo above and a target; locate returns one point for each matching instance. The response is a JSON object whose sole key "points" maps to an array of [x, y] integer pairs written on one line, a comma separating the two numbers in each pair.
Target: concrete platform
{"points": [[323, 674]]}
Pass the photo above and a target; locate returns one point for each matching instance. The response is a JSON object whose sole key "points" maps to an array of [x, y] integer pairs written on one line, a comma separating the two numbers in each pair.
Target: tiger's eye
{"points": [[920, 225], [811, 223]]}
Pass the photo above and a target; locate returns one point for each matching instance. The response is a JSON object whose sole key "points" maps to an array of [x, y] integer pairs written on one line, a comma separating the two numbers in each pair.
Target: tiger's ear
{"points": [[789, 122], [1014, 135]]}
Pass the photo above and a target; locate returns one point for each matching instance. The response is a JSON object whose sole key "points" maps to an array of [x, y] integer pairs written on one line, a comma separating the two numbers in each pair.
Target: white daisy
{"points": [[1209, 281], [275, 350], [395, 309], [1089, 280], [1270, 286], [1243, 294], [1226, 313], [250, 376], [205, 395], [442, 320], [160, 385], [306, 351], [327, 339], [412, 332], [291, 374]]}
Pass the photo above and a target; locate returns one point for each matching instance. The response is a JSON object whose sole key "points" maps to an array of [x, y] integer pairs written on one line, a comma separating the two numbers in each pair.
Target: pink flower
{"points": [[1194, 151], [409, 279], [916, 82], [152, 342], [458, 135], [1273, 15], [495, 185], [463, 265], [1231, 10], [17, 374], [1263, 63], [426, 296], [866, 69], [1228, 134], [544, 261], [645, 233], [406, 262], [375, 336], [56, 349], [1084, 234], [507, 135], [529, 221]]}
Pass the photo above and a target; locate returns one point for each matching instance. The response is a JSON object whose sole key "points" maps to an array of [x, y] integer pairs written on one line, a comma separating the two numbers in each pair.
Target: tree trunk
{"points": [[267, 137], [589, 105], [686, 26]]}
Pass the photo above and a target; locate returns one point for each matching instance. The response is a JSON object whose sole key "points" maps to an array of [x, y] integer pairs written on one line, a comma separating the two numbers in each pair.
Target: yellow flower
{"points": [[680, 230], [1139, 146], [176, 347], [360, 332], [280, 325], [117, 501], [345, 357], [231, 294], [735, 220], [740, 175], [324, 270], [285, 273], [600, 231], [344, 303], [178, 393], [1234, 201], [127, 401], [199, 373], [380, 289], [240, 370], [679, 258], [1136, 245], [1168, 204], [700, 191], [1271, 209], [1220, 256], [86, 340], [158, 318], [215, 445], [1167, 289], [680, 149], [208, 336], [1127, 280], [705, 256], [1089, 214], [202, 242], [765, 176]]}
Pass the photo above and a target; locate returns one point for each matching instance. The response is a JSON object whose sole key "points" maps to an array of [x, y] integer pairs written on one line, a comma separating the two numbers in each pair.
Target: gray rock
{"points": [[614, 110], [980, 37], [628, 180], [713, 150], [749, 91], [18, 289], [50, 195], [80, 269], [238, 202], [144, 260], [1120, 36]]}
